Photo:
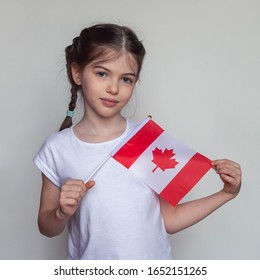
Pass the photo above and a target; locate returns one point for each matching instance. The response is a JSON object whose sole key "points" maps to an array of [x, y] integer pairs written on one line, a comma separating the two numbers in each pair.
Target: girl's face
{"points": [[107, 85]]}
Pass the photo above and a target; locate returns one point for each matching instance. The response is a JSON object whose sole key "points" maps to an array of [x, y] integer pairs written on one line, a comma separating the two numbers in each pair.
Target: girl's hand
{"points": [[230, 173], [71, 194]]}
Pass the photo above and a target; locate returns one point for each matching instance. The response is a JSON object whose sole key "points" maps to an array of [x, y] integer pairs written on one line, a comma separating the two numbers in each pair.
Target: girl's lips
{"points": [[108, 102]]}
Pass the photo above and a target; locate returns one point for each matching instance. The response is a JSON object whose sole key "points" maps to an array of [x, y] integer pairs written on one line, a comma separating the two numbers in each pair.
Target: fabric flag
{"points": [[163, 163]]}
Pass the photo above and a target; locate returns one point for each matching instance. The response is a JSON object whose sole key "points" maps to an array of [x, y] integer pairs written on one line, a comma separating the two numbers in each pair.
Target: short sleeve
{"points": [[46, 163]]}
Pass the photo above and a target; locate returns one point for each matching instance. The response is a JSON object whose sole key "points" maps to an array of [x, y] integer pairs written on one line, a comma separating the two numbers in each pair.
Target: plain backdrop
{"points": [[200, 81]]}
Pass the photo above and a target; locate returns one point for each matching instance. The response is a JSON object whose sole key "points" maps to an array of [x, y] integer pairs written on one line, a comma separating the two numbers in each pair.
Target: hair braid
{"points": [[71, 56], [72, 105]]}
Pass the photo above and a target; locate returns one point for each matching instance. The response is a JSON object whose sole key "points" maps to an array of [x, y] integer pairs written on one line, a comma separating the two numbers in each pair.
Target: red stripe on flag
{"points": [[136, 145], [186, 179]]}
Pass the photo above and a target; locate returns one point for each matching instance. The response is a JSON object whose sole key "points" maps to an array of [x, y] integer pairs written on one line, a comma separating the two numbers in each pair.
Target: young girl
{"points": [[115, 215]]}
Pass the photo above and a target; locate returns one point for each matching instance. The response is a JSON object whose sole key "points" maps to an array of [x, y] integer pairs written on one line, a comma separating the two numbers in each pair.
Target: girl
{"points": [[115, 215]]}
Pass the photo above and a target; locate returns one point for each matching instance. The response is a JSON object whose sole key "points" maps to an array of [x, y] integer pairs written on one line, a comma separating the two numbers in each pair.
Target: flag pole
{"points": [[97, 168]]}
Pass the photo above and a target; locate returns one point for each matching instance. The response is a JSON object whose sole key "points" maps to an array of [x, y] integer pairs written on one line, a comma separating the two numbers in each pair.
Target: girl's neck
{"points": [[94, 130]]}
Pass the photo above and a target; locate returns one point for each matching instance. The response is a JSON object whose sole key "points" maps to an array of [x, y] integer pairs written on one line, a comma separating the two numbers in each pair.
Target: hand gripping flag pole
{"points": [[162, 162]]}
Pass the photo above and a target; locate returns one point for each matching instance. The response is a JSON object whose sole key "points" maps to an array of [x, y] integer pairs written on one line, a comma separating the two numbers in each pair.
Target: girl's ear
{"points": [[76, 73]]}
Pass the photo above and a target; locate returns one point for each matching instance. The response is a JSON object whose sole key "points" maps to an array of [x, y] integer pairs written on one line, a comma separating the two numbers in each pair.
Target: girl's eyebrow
{"points": [[106, 69]]}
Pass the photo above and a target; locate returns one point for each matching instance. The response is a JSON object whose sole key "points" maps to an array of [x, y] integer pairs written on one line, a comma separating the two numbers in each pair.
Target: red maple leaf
{"points": [[164, 159]]}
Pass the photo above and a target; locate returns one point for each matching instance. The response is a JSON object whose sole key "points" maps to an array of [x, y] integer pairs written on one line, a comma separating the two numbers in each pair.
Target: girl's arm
{"points": [[58, 205], [189, 213]]}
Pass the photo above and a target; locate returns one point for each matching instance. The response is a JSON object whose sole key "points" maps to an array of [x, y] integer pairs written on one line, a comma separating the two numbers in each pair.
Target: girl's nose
{"points": [[112, 88]]}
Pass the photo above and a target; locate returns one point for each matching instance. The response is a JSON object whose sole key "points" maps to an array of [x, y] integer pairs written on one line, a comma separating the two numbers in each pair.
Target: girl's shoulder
{"points": [[58, 138]]}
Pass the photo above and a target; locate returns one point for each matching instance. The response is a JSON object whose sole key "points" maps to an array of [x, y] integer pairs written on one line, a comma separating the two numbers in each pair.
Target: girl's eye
{"points": [[127, 80], [101, 74]]}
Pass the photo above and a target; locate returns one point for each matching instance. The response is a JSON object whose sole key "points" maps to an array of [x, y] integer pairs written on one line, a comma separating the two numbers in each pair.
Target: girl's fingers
{"points": [[228, 179], [229, 171], [225, 162], [90, 184], [227, 166], [72, 193]]}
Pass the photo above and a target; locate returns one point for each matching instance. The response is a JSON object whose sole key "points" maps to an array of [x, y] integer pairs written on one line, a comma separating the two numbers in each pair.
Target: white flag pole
{"points": [[97, 168]]}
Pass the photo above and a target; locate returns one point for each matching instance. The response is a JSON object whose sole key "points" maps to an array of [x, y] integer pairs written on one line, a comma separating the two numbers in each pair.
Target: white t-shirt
{"points": [[119, 218]]}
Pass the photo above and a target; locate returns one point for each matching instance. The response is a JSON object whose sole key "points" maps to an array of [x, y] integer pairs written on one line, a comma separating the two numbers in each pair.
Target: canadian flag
{"points": [[163, 163]]}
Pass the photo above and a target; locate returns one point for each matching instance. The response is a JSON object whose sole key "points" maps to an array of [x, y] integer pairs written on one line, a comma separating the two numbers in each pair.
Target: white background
{"points": [[200, 82]]}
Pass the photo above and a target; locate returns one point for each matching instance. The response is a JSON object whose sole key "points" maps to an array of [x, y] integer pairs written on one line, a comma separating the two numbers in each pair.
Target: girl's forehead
{"points": [[123, 57]]}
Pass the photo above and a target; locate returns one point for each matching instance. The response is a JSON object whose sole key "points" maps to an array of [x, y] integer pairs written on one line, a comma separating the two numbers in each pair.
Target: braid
{"points": [[71, 56], [74, 97], [68, 120]]}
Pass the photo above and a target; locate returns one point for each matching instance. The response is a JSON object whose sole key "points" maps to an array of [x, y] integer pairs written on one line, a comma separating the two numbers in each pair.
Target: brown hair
{"points": [[94, 42]]}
